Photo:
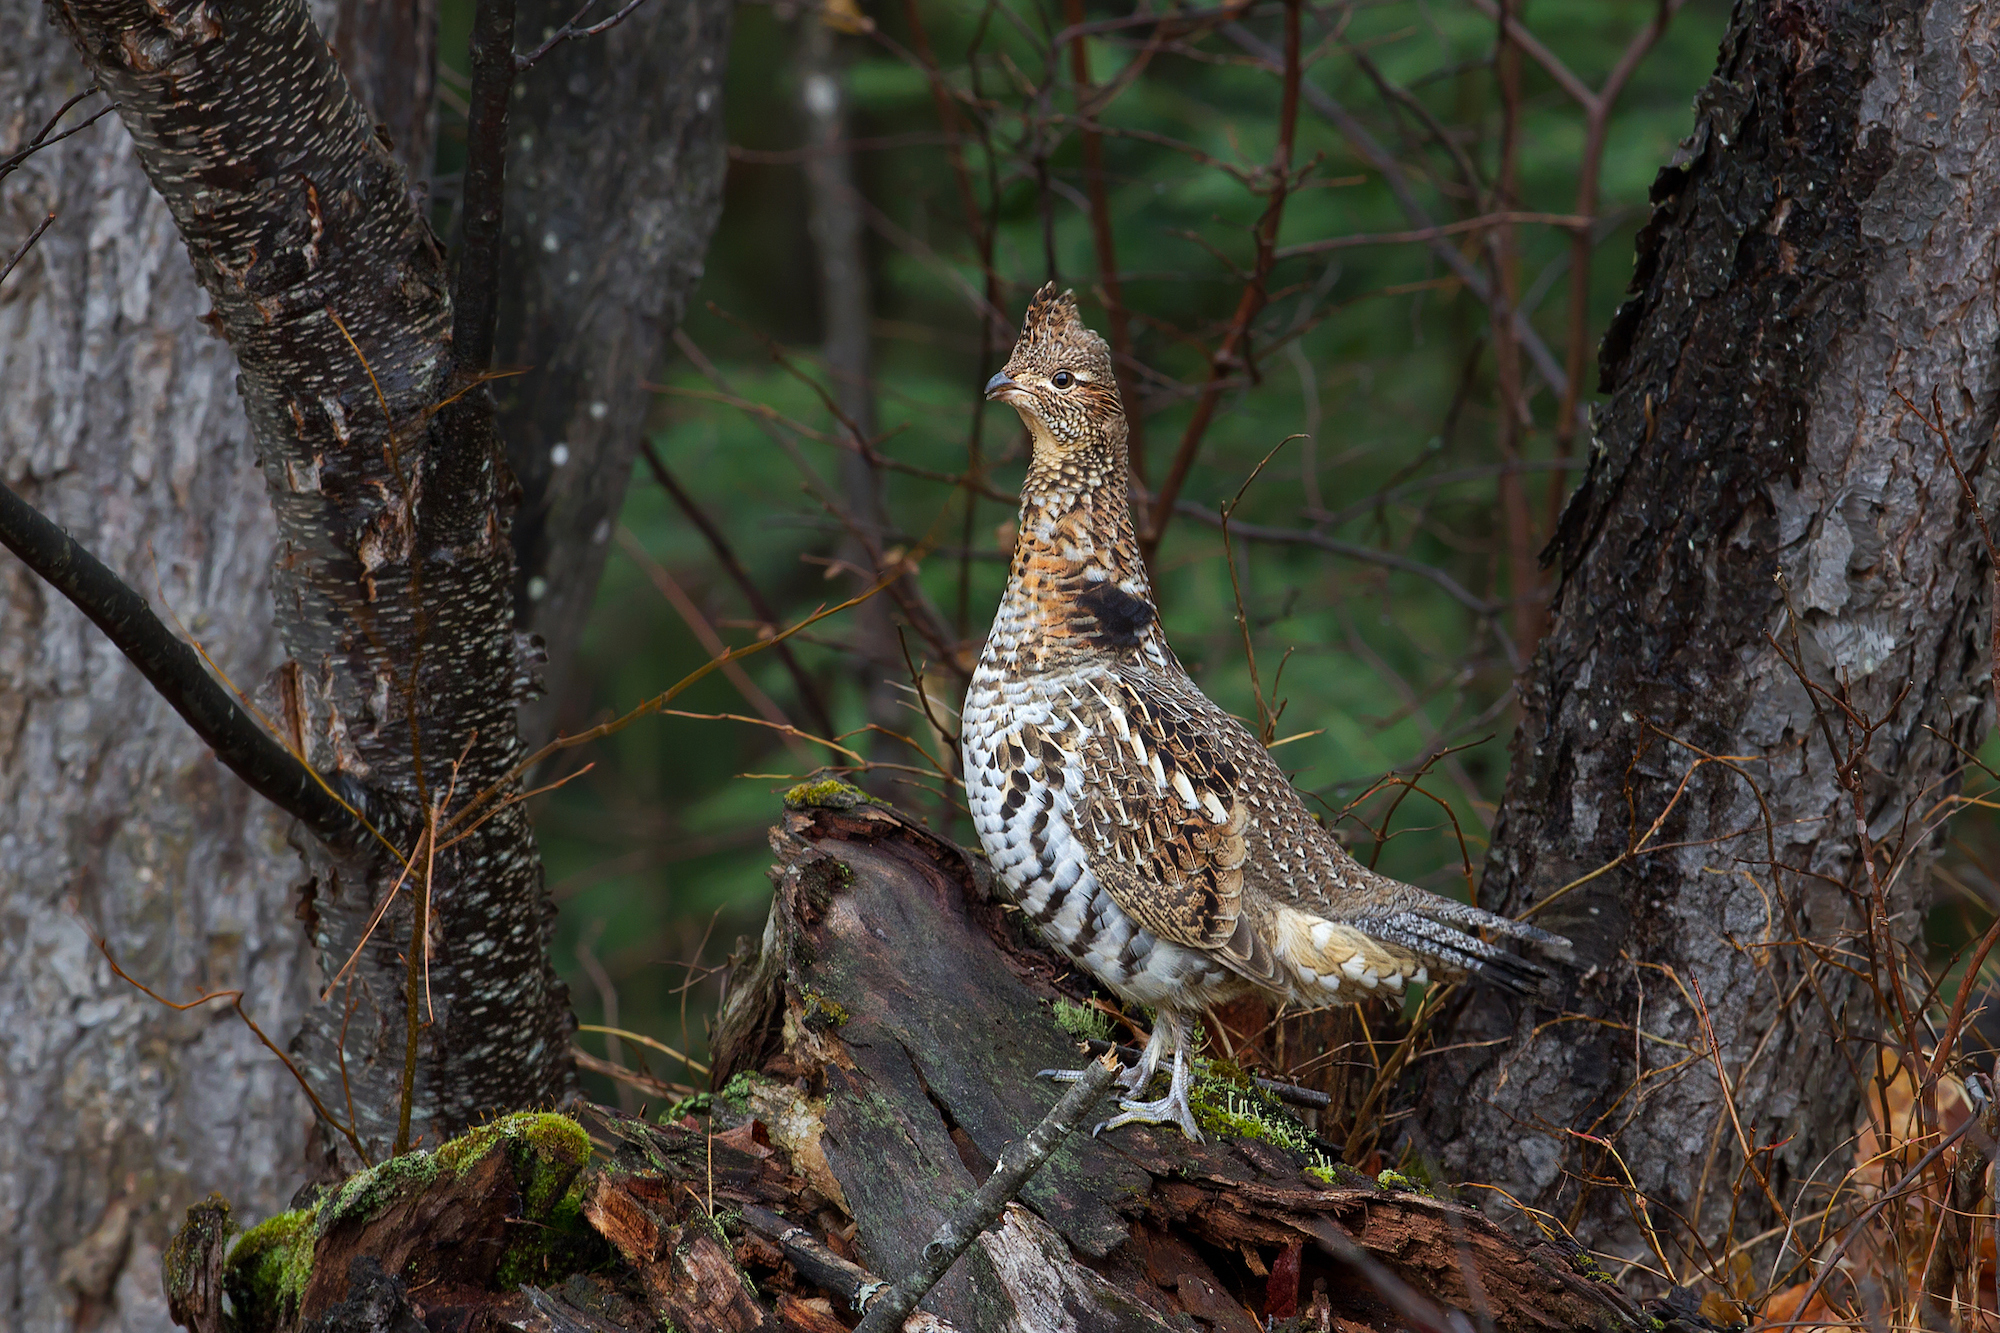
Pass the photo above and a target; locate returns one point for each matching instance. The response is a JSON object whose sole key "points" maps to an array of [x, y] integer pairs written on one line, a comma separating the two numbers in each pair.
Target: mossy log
{"points": [[876, 1054]]}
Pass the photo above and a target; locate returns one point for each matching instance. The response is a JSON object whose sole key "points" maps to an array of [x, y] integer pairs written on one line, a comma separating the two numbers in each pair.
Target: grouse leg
{"points": [[1172, 1109], [1170, 1035]]}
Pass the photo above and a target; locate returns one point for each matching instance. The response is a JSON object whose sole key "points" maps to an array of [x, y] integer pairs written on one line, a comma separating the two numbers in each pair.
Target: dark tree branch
{"points": [[1257, 532], [1234, 352], [175, 670], [570, 32], [815, 1262], [21, 252], [12, 162], [1383, 162], [1010, 1174], [476, 289]]}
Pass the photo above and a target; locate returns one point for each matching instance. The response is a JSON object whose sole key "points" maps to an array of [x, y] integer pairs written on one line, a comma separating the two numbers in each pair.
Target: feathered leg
{"points": [[1172, 1109]]}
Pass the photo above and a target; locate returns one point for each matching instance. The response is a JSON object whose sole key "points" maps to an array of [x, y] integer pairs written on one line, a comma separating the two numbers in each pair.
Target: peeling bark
{"points": [[1825, 240]]}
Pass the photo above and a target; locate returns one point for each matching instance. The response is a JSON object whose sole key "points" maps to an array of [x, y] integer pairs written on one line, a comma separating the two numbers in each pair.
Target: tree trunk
{"points": [[614, 185], [846, 306], [388, 50], [119, 418], [393, 581], [1817, 272], [122, 421]]}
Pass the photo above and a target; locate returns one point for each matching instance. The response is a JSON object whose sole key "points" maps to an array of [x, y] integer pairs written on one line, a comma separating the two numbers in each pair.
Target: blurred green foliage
{"points": [[1376, 352]]}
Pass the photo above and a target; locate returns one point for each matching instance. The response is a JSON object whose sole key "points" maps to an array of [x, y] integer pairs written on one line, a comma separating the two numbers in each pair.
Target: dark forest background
{"points": [[1389, 578]]}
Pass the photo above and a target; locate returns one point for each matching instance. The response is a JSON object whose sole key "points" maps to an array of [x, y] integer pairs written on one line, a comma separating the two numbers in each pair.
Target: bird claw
{"points": [[1168, 1110]]}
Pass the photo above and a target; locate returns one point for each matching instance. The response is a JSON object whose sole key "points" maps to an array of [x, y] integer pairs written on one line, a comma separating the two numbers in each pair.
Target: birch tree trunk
{"points": [[119, 417], [1819, 264]]}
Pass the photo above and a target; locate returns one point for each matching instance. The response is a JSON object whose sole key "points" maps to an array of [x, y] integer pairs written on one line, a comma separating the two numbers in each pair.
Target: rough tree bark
{"points": [[388, 50], [119, 418], [1825, 242], [123, 420], [614, 185], [393, 580]]}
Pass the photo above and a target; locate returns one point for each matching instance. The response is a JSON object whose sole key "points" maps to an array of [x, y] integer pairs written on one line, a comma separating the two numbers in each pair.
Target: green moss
{"points": [[829, 794], [1396, 1180], [1590, 1268], [362, 1195], [687, 1106], [1082, 1021], [564, 1242], [548, 1153], [822, 1013], [270, 1265], [1231, 1106], [266, 1275], [737, 1092]]}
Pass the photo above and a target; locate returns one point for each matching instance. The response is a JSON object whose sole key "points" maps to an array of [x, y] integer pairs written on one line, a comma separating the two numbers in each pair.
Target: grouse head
{"points": [[1059, 379]]}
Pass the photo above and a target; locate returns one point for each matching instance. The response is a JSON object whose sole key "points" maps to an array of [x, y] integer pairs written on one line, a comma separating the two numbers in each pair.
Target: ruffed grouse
{"points": [[1141, 828]]}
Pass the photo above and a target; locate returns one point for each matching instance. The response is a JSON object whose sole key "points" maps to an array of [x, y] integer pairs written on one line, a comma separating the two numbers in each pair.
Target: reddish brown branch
{"points": [[725, 555]]}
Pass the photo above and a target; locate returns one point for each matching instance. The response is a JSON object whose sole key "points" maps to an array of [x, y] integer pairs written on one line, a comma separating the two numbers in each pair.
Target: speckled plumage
{"points": [[1141, 828]]}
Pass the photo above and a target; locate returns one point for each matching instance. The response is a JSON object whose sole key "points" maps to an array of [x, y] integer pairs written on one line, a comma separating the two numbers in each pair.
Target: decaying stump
{"points": [[874, 1059], [890, 1030]]}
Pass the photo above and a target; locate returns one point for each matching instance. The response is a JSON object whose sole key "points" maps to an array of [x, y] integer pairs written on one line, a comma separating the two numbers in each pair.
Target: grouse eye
{"points": [[1062, 379]]}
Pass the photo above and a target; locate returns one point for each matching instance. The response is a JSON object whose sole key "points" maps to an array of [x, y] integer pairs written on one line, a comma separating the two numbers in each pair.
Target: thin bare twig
{"points": [[725, 555], [569, 32], [21, 251], [1234, 350], [235, 998], [43, 139]]}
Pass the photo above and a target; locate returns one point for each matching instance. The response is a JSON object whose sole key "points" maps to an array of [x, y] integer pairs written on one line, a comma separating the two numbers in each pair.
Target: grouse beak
{"points": [[1000, 389]]}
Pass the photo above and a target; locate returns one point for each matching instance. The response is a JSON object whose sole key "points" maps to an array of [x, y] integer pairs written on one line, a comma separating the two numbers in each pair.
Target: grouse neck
{"points": [[1076, 513], [1077, 592], [1081, 533]]}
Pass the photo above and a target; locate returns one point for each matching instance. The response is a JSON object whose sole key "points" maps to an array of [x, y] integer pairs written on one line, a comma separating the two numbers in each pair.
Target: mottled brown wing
{"points": [[1160, 814]]}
